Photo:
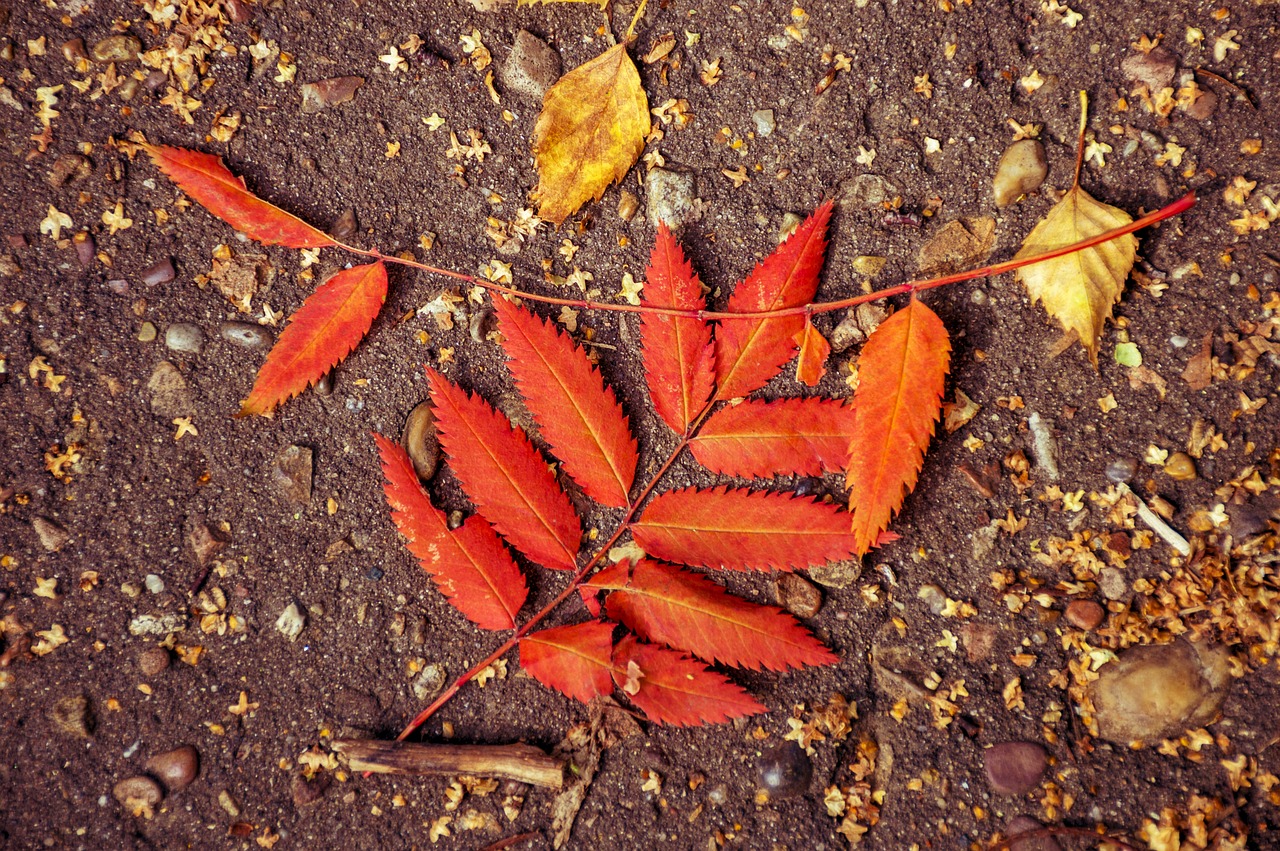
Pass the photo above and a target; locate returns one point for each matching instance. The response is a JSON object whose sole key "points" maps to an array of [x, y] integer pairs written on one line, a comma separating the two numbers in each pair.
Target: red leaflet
{"points": [[749, 352], [671, 688], [322, 332], [207, 180], [760, 439], [741, 529], [579, 417], [901, 373], [814, 351], [574, 660], [678, 356], [505, 476], [690, 612], [469, 564]]}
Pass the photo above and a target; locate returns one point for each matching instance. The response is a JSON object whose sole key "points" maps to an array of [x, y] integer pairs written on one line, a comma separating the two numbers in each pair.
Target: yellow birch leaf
{"points": [[1079, 289], [591, 131]]}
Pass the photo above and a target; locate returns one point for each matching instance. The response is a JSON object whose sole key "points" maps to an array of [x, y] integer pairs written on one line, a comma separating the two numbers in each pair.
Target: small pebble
{"points": [[291, 622], [532, 68], [154, 583], [51, 534], [979, 640], [71, 715], [170, 396], [324, 387], [1180, 467], [344, 229], [1178, 341], [419, 440], [176, 768], [836, 574], [118, 286], [159, 272], [1084, 614], [147, 333], [867, 191], [1111, 583], [292, 474], [669, 197], [184, 337], [153, 661], [306, 792], [85, 248], [628, 204], [1021, 170], [1044, 445], [429, 682], [157, 625], [74, 50], [134, 791], [228, 804], [1204, 106], [325, 93], [1014, 768], [1122, 470], [206, 541], [784, 771], [1026, 824], [245, 335], [764, 122], [934, 597], [797, 595], [1154, 69], [116, 48]]}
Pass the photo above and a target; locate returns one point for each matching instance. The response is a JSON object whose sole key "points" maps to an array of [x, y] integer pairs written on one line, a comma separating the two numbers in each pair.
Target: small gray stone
{"points": [[246, 335], [176, 768], [52, 536], [292, 474], [429, 682], [866, 191], [116, 48], [325, 93], [669, 197], [139, 794], [1154, 69], [71, 715], [934, 597], [157, 625], [291, 622], [763, 120], [1014, 768], [1022, 169], [184, 337], [532, 68], [159, 272], [154, 583], [1111, 583], [1121, 470], [169, 394]]}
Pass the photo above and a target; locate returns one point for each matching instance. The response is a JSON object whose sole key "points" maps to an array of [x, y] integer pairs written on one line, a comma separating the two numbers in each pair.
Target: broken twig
{"points": [[520, 762]]}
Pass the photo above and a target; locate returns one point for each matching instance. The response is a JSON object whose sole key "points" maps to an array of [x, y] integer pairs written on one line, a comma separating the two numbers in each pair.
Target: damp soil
{"points": [[131, 504]]}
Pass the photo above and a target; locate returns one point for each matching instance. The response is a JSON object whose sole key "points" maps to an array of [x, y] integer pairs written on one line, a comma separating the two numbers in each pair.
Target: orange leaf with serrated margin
{"points": [[574, 660], [579, 416], [814, 351], [321, 333], [469, 564], [689, 612], [505, 476], [671, 688], [749, 352], [214, 187], [901, 373], [758, 439], [739, 529], [679, 358]]}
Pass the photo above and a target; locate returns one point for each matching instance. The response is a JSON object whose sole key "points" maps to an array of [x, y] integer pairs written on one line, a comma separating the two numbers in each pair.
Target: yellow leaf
{"points": [[1079, 289], [591, 131]]}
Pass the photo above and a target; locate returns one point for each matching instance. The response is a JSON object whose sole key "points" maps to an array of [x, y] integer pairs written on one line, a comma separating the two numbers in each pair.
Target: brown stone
{"points": [[1014, 768], [798, 595], [1084, 614]]}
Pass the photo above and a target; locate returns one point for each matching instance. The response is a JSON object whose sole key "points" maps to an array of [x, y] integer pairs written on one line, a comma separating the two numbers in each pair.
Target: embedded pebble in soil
{"points": [[1022, 169], [157, 625], [1026, 824], [291, 622], [1112, 584], [1044, 446], [429, 682], [1084, 614], [979, 639], [169, 394], [763, 121], [176, 768], [1154, 69], [306, 792], [1014, 768], [246, 335], [1121, 470], [153, 661], [184, 337], [836, 574], [116, 48], [934, 597], [1156, 691], [206, 541], [1180, 467], [72, 716], [345, 227], [291, 473], [797, 595], [159, 272], [137, 792], [154, 583], [532, 68], [147, 333], [784, 771], [51, 534], [322, 94], [419, 440], [669, 197]]}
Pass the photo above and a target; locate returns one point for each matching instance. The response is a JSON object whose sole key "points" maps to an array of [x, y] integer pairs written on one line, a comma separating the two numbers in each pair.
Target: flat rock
{"points": [[797, 595], [116, 48], [323, 94], [184, 337], [1154, 69], [958, 245], [1014, 768], [246, 335], [836, 574], [170, 396], [1156, 691], [51, 534], [532, 68], [291, 473], [669, 197]]}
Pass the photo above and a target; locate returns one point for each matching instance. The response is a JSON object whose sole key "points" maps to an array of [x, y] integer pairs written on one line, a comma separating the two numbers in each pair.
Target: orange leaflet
{"points": [[321, 333], [901, 373], [691, 613], [574, 660], [814, 351], [742, 529], [678, 356], [758, 439], [671, 688], [504, 475], [579, 417], [469, 564], [207, 180], [749, 352]]}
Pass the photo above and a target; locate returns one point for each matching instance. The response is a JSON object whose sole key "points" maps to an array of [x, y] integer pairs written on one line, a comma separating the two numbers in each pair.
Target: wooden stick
{"points": [[521, 762]]}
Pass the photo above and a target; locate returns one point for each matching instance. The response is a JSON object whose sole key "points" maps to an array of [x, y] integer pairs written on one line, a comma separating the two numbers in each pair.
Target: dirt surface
{"points": [[100, 486]]}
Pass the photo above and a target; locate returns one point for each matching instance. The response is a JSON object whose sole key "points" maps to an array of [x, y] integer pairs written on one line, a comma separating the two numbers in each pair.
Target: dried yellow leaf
{"points": [[591, 131]]}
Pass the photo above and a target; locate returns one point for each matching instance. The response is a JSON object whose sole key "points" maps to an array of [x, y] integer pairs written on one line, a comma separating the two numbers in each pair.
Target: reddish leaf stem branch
{"points": [[1176, 208], [570, 589]]}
